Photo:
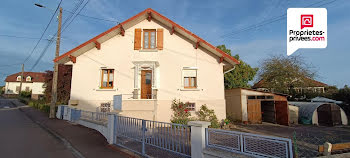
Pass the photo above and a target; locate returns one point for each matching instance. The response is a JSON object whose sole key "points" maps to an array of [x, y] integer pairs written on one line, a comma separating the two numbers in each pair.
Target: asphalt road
{"points": [[21, 137]]}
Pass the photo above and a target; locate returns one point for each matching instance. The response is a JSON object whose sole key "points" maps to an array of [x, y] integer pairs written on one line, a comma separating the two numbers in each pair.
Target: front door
{"points": [[146, 84]]}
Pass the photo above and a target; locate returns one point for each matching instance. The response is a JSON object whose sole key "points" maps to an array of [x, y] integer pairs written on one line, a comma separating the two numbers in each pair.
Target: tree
{"points": [[63, 84], [283, 73], [343, 95], [241, 75]]}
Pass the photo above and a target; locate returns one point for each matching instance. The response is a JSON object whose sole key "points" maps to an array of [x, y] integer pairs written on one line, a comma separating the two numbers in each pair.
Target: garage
{"points": [[320, 113], [252, 106]]}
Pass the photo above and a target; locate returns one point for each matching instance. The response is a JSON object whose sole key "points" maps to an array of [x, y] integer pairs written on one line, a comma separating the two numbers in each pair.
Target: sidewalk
{"points": [[88, 142]]}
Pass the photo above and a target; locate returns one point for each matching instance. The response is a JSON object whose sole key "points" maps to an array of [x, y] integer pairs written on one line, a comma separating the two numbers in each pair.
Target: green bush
{"points": [[181, 115], [205, 114], [40, 105], [23, 100], [26, 94]]}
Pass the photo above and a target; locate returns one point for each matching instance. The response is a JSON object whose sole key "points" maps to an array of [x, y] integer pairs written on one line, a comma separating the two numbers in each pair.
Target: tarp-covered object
{"points": [[306, 110], [327, 100]]}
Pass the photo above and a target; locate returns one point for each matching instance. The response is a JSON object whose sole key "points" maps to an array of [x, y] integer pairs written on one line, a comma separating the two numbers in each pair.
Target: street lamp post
{"points": [[55, 71]]}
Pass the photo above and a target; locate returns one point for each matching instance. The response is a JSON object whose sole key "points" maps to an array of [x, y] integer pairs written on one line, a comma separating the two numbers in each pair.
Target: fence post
{"points": [[198, 137], [327, 149], [111, 128], [59, 111], [69, 114], [143, 136]]}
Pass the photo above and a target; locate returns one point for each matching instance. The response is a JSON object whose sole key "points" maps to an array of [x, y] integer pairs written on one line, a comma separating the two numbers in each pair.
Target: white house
{"points": [[32, 81], [149, 60]]}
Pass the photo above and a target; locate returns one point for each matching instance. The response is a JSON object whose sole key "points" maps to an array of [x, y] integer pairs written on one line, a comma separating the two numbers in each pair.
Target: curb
{"points": [[123, 151], [66, 143]]}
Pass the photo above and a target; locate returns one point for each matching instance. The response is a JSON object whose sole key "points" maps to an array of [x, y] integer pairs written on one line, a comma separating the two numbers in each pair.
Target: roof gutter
{"points": [[230, 70]]}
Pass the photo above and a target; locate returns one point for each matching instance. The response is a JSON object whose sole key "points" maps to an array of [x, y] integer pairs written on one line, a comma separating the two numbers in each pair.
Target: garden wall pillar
{"points": [[198, 137]]}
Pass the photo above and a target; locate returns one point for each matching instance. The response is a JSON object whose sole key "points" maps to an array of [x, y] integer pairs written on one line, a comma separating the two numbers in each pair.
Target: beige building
{"points": [[148, 60], [32, 81], [253, 106]]}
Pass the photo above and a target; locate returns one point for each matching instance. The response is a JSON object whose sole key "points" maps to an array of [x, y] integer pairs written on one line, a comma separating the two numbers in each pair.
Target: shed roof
{"points": [[249, 89]]}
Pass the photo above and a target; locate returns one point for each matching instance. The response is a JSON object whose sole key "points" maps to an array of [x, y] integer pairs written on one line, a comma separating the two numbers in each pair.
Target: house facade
{"points": [[32, 81], [149, 61]]}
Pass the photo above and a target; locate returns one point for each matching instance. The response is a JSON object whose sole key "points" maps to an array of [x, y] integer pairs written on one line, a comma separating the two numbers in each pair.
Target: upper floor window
{"points": [[190, 78], [107, 78], [149, 39], [18, 78], [28, 79]]}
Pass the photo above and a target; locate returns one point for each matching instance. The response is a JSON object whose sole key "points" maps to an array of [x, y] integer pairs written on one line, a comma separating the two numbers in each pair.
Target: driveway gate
{"points": [[152, 138]]}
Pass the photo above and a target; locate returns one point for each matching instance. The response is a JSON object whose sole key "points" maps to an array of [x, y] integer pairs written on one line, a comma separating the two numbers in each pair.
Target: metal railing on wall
{"points": [[249, 144], [153, 138]]}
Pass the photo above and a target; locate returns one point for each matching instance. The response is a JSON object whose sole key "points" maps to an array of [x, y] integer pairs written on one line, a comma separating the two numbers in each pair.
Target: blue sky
{"points": [[214, 21]]}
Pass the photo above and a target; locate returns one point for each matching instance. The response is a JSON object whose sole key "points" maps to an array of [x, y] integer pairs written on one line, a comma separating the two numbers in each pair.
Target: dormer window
{"points": [[149, 39], [18, 78], [28, 79]]}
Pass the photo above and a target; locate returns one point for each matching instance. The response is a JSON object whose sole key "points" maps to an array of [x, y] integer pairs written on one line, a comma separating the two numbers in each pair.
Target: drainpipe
{"points": [[230, 70]]}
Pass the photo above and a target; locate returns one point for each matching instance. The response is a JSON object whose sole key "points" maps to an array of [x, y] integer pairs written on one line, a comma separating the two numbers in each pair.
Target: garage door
{"points": [[282, 115], [254, 111]]}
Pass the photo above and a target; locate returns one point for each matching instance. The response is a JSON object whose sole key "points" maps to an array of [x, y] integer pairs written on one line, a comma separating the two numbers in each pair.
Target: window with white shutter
{"points": [[190, 78]]}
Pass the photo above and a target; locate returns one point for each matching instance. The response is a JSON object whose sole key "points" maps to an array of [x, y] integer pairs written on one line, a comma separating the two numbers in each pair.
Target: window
{"points": [[17, 88], [27, 89], [191, 106], [190, 78], [260, 97], [148, 78], [251, 97], [107, 78], [28, 79], [269, 97], [18, 78], [149, 39]]}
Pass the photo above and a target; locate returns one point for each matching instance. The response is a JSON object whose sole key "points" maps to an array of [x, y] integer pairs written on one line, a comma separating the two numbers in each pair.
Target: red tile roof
{"points": [[36, 77], [148, 11], [309, 82]]}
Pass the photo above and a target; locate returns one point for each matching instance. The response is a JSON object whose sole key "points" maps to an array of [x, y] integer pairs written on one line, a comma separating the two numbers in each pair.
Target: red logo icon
{"points": [[307, 21]]}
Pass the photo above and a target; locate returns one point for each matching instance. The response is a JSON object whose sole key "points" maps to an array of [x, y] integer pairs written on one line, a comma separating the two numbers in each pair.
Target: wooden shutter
{"points": [[160, 39], [137, 41]]}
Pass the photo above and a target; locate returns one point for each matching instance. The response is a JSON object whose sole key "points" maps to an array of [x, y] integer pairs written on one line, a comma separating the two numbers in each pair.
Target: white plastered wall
{"points": [[118, 53], [36, 87]]}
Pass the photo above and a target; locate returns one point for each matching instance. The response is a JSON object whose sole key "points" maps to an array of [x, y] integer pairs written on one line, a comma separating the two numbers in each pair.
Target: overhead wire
{"points": [[65, 26], [271, 20]]}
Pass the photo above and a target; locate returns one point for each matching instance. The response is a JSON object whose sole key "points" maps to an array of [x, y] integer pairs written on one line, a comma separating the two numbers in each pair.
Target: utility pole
{"points": [[20, 85], [55, 71]]}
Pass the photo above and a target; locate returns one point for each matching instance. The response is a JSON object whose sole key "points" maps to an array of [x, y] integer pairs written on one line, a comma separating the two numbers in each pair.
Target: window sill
{"points": [[99, 89], [190, 89], [149, 50]]}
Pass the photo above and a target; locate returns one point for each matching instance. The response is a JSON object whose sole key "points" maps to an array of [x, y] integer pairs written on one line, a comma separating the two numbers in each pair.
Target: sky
{"points": [[254, 29]]}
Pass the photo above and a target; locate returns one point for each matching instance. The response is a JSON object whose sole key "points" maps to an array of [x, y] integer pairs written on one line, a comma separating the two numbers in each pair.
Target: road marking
{"points": [[6, 107]]}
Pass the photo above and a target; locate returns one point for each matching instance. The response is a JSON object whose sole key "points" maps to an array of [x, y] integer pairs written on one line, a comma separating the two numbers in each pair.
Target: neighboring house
{"points": [[32, 81], [311, 86], [253, 106], [149, 60]]}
